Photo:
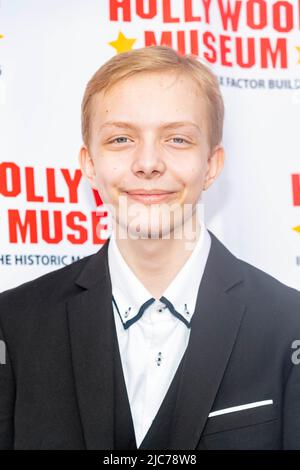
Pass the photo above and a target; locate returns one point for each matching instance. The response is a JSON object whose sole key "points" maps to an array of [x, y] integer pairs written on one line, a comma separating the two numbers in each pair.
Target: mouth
{"points": [[149, 197]]}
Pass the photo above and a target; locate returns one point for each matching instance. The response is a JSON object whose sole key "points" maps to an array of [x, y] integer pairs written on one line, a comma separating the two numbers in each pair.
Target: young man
{"points": [[163, 339]]}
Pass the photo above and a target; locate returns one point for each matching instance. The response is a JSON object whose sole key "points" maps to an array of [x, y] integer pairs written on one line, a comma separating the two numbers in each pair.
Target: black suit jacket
{"points": [[56, 388]]}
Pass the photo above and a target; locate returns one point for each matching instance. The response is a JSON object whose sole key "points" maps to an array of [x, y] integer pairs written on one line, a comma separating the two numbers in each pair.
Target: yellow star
{"points": [[298, 49], [122, 44], [1, 36], [297, 229]]}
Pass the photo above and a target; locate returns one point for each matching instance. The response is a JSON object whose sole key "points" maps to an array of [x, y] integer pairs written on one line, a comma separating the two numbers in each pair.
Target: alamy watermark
{"points": [[2, 352], [296, 354], [154, 221]]}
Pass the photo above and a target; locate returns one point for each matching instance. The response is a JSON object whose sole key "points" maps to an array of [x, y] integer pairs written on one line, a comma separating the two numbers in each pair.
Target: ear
{"points": [[87, 166], [215, 164]]}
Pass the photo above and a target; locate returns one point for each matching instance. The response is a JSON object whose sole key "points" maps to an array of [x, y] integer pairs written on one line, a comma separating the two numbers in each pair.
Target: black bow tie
{"points": [[145, 305]]}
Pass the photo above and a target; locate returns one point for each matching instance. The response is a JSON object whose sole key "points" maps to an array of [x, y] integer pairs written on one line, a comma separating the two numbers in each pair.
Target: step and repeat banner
{"points": [[48, 51]]}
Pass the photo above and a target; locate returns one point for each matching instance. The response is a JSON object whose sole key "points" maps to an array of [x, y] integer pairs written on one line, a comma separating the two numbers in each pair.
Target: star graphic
{"points": [[1, 36], [298, 49], [122, 44], [297, 229]]}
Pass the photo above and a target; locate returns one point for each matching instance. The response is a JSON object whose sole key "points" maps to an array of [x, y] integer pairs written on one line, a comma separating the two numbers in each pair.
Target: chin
{"points": [[155, 232]]}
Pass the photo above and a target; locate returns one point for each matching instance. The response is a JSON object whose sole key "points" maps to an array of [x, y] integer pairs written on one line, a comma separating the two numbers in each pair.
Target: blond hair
{"points": [[156, 59]]}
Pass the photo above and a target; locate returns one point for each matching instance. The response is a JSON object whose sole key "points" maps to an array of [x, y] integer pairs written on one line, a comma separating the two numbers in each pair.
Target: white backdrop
{"points": [[48, 52]]}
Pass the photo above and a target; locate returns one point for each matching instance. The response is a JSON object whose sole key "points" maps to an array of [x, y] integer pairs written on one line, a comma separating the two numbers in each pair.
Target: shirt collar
{"points": [[129, 292]]}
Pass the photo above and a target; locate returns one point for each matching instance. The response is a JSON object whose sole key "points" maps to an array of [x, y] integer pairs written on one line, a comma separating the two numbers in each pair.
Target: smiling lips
{"points": [[151, 196]]}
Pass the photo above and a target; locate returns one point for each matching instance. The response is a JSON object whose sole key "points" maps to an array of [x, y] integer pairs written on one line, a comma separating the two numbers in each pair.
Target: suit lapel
{"points": [[215, 326], [91, 327]]}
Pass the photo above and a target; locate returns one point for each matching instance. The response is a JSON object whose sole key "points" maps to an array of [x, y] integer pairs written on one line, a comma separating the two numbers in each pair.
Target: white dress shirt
{"points": [[152, 347]]}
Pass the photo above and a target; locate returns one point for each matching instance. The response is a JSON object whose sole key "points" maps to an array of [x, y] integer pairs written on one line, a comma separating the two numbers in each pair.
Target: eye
{"points": [[182, 139], [116, 138]]}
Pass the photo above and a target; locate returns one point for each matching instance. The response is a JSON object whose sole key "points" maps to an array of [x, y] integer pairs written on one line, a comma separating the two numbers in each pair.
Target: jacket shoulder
{"points": [[52, 287], [268, 287], [273, 305], [258, 289]]}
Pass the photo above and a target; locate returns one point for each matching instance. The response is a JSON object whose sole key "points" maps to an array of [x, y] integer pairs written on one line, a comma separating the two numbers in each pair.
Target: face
{"points": [[149, 133]]}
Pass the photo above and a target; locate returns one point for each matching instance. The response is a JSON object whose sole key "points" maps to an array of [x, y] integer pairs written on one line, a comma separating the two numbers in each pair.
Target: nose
{"points": [[148, 160]]}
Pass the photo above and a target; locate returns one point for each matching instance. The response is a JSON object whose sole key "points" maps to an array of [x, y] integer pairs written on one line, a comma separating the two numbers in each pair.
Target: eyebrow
{"points": [[166, 125]]}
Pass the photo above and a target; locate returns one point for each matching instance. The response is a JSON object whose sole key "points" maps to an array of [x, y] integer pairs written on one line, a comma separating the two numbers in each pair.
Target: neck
{"points": [[156, 262]]}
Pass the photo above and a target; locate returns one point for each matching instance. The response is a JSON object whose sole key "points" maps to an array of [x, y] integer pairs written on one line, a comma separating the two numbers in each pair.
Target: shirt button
{"points": [[160, 308]]}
